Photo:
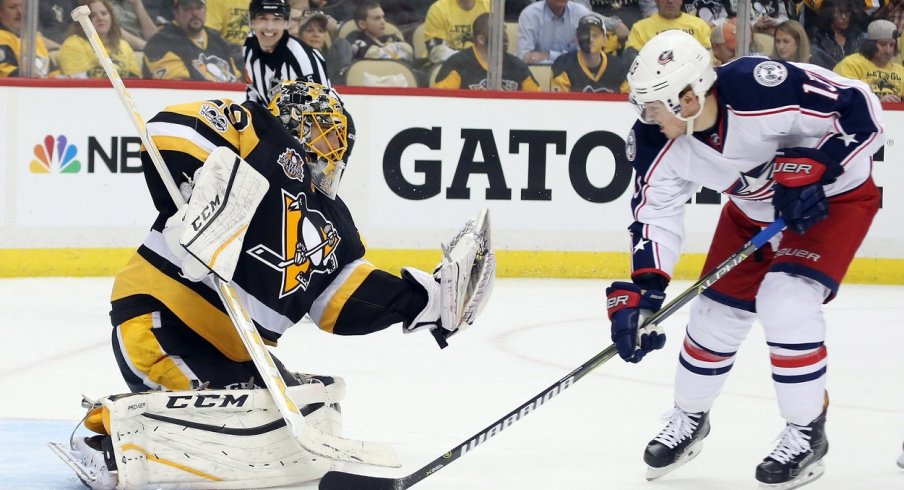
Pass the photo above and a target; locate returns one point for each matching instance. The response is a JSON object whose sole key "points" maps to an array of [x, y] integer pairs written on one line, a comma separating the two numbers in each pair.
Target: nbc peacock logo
{"points": [[55, 156]]}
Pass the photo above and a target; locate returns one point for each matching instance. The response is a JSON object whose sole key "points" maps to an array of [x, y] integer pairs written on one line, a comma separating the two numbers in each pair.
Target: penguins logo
{"points": [[213, 68], [309, 246]]}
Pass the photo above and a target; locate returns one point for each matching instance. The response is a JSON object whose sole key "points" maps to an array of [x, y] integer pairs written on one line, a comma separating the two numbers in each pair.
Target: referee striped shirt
{"points": [[291, 59]]}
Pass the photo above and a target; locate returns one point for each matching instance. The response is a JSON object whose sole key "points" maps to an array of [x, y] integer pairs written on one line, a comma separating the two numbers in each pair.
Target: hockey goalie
{"points": [[263, 214]]}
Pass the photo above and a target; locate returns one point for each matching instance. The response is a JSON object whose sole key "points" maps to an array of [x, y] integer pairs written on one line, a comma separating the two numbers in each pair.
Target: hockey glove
{"points": [[800, 174], [628, 305]]}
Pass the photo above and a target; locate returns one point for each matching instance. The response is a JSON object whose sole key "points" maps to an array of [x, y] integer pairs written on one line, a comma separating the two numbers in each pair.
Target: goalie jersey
{"points": [[302, 253], [764, 105]]}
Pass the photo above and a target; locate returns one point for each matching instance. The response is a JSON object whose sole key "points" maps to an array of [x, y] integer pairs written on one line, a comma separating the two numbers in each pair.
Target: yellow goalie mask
{"points": [[314, 114]]}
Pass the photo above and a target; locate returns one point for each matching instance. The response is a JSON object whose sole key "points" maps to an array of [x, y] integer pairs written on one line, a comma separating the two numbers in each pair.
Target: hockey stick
{"points": [[337, 480], [308, 437]]}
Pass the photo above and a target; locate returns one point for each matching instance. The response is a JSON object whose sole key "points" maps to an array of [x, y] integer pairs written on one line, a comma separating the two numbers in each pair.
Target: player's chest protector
{"points": [[299, 238]]}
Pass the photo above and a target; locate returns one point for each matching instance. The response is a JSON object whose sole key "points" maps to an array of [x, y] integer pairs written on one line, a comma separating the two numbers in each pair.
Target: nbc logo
{"points": [[55, 158]]}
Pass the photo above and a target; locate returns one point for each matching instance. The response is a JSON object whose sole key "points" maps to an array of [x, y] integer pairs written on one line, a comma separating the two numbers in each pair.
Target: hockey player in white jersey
{"points": [[779, 139]]}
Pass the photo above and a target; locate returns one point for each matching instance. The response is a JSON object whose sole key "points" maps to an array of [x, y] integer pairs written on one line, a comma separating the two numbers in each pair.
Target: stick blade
{"points": [[342, 449], [338, 480]]}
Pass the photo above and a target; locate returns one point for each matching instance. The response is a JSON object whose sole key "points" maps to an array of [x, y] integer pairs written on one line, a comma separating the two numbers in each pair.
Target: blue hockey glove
{"points": [[800, 174], [628, 305]]}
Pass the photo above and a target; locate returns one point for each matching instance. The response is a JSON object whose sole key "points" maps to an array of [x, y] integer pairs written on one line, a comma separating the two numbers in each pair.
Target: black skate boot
{"points": [[797, 460], [679, 442]]}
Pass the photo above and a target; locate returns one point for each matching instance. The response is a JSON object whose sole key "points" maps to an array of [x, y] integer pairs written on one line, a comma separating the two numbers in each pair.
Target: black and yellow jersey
{"points": [[76, 58], [302, 253], [467, 70], [10, 51], [171, 55], [571, 74]]}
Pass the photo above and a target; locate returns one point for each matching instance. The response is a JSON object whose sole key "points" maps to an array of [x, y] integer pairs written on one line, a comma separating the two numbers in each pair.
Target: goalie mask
{"points": [[313, 114], [667, 66]]}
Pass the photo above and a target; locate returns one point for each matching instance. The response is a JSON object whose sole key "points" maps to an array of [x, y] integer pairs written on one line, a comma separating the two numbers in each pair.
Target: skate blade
{"points": [[691, 452], [812, 472], [901, 461], [90, 478]]}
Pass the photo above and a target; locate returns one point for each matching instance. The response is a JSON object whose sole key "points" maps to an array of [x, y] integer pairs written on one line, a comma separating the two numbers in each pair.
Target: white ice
{"points": [[403, 390]]}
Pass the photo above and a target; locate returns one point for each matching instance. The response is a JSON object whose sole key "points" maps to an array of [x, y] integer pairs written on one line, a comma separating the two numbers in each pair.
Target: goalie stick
{"points": [[308, 437], [338, 480]]}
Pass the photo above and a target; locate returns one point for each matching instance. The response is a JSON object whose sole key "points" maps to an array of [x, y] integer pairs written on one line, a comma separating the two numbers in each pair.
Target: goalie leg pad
{"points": [[216, 439]]}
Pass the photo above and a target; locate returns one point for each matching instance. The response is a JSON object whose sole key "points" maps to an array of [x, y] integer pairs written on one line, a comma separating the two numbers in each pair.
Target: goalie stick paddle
{"points": [[308, 437], [338, 480]]}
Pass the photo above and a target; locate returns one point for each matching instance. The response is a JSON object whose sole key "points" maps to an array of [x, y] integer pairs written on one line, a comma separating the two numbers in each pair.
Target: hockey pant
{"points": [[784, 286]]}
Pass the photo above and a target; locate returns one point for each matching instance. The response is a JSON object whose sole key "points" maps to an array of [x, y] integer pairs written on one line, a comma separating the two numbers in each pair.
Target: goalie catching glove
{"points": [[461, 284]]}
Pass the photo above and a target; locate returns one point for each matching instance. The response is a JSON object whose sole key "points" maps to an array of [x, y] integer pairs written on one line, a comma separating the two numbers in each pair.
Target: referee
{"points": [[272, 55]]}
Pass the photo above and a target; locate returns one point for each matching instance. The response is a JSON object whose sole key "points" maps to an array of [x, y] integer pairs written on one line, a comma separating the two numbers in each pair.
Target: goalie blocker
{"points": [[202, 438]]}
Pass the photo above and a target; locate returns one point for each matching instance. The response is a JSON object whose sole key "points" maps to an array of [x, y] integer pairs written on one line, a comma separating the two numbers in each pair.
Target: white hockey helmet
{"points": [[666, 66]]}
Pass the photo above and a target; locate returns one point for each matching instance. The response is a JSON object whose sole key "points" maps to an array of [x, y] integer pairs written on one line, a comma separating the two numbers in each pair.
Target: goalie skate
{"points": [[680, 441]]}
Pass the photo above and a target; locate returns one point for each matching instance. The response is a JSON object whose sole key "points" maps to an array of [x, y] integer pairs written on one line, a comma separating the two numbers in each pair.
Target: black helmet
{"points": [[276, 7]]}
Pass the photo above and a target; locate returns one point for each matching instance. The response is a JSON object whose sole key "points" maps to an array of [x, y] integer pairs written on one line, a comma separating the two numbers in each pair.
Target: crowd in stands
{"points": [[552, 45]]}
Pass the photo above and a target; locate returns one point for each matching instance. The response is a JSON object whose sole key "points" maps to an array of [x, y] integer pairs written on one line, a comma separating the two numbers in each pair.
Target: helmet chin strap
{"points": [[690, 119]]}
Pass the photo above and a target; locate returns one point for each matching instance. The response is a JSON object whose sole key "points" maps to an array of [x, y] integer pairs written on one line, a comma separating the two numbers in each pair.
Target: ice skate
{"points": [[679, 442], [797, 459]]}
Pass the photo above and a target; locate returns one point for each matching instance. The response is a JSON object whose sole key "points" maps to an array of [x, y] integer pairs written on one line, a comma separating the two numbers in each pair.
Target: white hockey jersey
{"points": [[764, 105]]}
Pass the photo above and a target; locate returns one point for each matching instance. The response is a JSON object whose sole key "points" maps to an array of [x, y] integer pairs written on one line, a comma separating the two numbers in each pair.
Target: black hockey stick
{"points": [[338, 480]]}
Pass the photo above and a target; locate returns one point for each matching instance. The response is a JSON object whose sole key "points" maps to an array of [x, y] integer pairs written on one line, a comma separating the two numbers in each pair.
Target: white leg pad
{"points": [[217, 439]]}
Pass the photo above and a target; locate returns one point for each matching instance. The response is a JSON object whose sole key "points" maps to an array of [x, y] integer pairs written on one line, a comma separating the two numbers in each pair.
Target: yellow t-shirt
{"points": [[230, 19], [447, 21], [11, 50], [645, 29], [76, 58], [882, 81]]}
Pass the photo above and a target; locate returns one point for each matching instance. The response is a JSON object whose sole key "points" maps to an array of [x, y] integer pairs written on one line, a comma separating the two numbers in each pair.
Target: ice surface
{"points": [[403, 390]]}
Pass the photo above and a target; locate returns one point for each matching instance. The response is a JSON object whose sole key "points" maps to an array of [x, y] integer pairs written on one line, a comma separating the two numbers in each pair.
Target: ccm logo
{"points": [[793, 168], [616, 301]]}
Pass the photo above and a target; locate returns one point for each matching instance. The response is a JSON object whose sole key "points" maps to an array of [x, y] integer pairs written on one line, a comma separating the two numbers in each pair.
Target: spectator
{"points": [[76, 57], [135, 22], [892, 11], [836, 36], [467, 69], [405, 14], [302, 6], [873, 64], [312, 28], [54, 19], [11, 14], [272, 55], [668, 17], [339, 54], [791, 42], [371, 41], [628, 11], [770, 13], [711, 11], [724, 40], [187, 50], [546, 29], [589, 69], [448, 26], [229, 18]]}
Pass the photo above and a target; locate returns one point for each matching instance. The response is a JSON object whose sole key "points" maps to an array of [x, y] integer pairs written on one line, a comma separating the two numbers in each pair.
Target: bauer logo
{"points": [[56, 155]]}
